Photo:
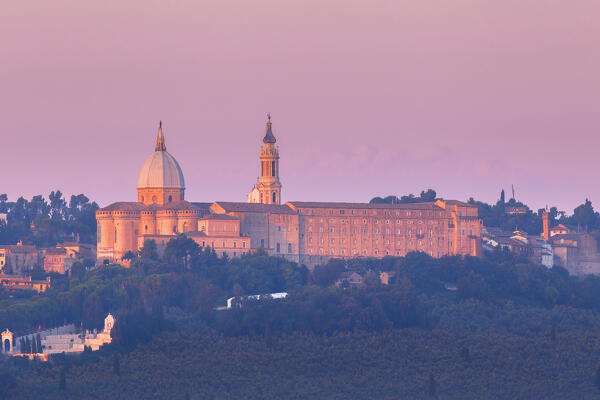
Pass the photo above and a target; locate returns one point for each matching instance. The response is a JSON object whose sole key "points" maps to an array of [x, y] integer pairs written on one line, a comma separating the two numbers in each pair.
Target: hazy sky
{"points": [[367, 97]]}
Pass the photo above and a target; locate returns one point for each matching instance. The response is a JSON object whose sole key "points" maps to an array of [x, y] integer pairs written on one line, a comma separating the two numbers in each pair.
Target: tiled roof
{"points": [[458, 203], [402, 206], [220, 217], [56, 250], [254, 207], [136, 206], [19, 248], [126, 206], [567, 236]]}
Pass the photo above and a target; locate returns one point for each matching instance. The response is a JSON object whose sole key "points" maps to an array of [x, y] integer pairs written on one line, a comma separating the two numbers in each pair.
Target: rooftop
{"points": [[253, 207], [376, 206]]}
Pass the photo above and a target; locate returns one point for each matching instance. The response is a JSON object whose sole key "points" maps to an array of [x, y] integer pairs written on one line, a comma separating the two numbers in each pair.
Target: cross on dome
{"points": [[160, 139], [269, 137]]}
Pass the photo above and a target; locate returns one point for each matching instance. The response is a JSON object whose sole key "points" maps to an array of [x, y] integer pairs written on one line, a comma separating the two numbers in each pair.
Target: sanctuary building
{"points": [[305, 232]]}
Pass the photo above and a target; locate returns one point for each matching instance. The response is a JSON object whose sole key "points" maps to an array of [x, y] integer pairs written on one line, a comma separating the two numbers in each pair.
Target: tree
{"points": [[432, 388], [180, 251], [77, 270], [597, 378], [8, 382], [502, 197], [62, 380], [584, 215], [38, 342], [428, 195], [116, 367], [149, 250]]}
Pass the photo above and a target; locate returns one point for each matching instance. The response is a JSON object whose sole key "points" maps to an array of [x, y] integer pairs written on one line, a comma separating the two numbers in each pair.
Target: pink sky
{"points": [[368, 97]]}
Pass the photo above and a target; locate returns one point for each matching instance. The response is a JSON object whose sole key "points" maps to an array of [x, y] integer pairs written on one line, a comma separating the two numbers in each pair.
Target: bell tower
{"points": [[268, 187]]}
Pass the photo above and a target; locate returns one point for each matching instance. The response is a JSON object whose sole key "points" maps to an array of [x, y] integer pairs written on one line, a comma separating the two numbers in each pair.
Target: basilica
{"points": [[305, 232]]}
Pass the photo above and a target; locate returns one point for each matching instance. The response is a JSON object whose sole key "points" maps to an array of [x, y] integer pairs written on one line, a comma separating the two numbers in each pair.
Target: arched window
{"points": [[170, 199], [274, 197], [273, 168], [146, 228]]}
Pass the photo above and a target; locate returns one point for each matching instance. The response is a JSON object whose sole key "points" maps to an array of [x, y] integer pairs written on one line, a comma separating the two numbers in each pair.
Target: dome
{"points": [[161, 170]]}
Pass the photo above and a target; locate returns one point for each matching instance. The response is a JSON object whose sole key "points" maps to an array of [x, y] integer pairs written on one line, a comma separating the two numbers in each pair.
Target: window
{"points": [[170, 199], [115, 235], [273, 173], [274, 197], [289, 247], [244, 244], [234, 244], [99, 234], [262, 243], [146, 228], [278, 248]]}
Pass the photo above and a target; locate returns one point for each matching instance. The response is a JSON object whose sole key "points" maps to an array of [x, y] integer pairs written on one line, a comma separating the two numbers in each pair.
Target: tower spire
{"points": [[269, 137], [160, 139]]}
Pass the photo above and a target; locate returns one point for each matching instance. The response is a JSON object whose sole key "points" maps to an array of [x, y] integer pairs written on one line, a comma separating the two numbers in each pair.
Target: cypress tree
{"points": [[432, 389], [62, 381], [38, 341], [116, 366], [597, 378]]}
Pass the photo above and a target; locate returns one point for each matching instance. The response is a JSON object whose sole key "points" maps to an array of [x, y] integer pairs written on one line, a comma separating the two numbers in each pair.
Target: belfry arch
{"points": [[7, 341]]}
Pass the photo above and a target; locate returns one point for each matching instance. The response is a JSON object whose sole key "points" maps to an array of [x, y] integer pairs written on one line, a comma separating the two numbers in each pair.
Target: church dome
{"points": [[161, 170]]}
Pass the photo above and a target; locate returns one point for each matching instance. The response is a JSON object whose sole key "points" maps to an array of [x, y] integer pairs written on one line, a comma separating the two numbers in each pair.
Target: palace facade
{"points": [[305, 232]]}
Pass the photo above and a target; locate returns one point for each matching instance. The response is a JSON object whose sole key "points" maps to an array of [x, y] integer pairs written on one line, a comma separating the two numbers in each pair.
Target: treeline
{"points": [[46, 222], [405, 364], [583, 219], [466, 327]]}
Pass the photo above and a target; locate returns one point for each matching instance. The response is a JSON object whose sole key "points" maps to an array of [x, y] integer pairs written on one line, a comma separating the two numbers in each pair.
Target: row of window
{"points": [[376, 231], [375, 241], [376, 252], [407, 213], [387, 221], [235, 244]]}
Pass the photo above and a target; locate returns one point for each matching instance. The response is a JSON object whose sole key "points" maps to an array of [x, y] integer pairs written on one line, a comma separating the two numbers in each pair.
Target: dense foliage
{"points": [[498, 327], [44, 223], [583, 219]]}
